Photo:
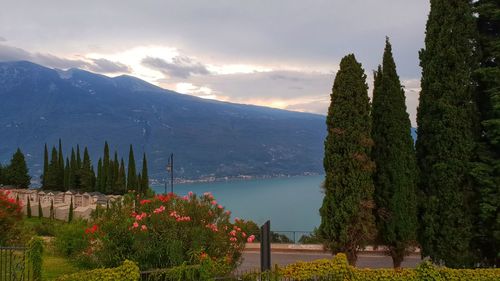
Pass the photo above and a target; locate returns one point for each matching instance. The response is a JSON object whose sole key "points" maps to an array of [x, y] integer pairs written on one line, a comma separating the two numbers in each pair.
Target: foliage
{"points": [[395, 178], [208, 269], [447, 122], [347, 222], [165, 231], [10, 216], [313, 238], [338, 269], [70, 213], [70, 238], [28, 209], [16, 173], [128, 271], [486, 172], [35, 257]]}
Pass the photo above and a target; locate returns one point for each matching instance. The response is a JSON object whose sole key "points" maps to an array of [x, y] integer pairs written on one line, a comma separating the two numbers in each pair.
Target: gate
{"points": [[14, 265]]}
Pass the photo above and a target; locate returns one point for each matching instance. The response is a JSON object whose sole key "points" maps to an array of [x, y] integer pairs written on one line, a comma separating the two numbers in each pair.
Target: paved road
{"points": [[251, 260]]}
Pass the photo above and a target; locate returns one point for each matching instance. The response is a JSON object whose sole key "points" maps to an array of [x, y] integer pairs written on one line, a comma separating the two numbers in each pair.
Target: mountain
{"points": [[39, 105]]}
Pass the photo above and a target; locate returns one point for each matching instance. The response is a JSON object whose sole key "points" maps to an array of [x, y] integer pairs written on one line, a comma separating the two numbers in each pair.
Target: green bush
{"points": [[166, 231], [338, 269], [35, 257], [70, 239], [128, 271]]}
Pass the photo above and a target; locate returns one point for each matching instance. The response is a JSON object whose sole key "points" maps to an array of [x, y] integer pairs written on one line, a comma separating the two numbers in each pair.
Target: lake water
{"points": [[292, 204]]}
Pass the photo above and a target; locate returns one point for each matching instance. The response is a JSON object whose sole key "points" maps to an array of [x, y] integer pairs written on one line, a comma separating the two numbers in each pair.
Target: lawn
{"points": [[55, 266]]}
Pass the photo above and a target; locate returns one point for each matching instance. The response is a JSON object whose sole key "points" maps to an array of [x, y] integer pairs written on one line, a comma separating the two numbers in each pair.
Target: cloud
{"points": [[8, 53], [108, 66], [180, 67], [2, 39]]}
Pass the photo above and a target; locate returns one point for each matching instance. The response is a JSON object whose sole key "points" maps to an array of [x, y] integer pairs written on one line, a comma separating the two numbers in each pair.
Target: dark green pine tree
{"points": [[28, 209], [74, 172], [395, 178], [87, 177], [116, 170], [45, 165], [17, 171], [145, 177], [67, 171], [70, 213], [2, 172], [78, 158], [347, 222], [487, 169], [131, 174], [447, 122]]}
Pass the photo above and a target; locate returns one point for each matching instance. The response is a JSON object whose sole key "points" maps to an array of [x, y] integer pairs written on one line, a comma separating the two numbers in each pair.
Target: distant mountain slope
{"points": [[208, 138]]}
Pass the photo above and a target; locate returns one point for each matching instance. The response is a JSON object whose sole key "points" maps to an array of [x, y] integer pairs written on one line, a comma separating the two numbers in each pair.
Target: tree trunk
{"points": [[352, 257], [397, 260]]}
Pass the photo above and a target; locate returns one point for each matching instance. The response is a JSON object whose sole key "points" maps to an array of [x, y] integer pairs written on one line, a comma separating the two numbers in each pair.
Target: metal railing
{"points": [[14, 264], [295, 237]]}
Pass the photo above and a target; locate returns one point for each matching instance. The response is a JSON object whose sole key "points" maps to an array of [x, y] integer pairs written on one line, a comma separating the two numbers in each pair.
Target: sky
{"points": [[277, 53]]}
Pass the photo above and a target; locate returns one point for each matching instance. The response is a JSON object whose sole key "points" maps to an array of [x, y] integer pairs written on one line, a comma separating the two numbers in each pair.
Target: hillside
{"points": [[209, 138]]}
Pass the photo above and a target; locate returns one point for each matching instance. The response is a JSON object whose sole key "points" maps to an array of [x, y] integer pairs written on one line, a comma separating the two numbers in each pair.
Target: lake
{"points": [[292, 204]]}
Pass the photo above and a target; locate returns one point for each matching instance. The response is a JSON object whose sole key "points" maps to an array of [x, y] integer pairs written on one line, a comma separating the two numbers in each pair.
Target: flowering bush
{"points": [[167, 231], [10, 216]]}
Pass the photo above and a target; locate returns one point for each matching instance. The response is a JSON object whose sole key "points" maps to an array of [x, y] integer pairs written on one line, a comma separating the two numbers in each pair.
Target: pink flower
{"points": [[233, 239], [243, 234], [228, 212], [135, 225], [250, 238], [190, 194], [159, 210], [214, 202], [233, 233], [144, 228], [145, 201], [185, 198], [220, 206]]}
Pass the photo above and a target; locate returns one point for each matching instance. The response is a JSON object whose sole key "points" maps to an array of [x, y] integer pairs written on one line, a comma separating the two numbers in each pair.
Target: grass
{"points": [[55, 266]]}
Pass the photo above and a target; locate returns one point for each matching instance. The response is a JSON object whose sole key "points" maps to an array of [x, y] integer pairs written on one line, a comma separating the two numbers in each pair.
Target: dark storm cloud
{"points": [[107, 66], [180, 67]]}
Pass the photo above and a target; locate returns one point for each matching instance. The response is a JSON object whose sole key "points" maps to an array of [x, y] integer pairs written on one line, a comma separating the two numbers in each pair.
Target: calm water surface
{"points": [[292, 204]]}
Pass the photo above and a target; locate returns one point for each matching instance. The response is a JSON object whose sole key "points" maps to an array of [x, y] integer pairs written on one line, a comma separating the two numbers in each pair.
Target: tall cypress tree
{"points": [[50, 179], [67, 171], [487, 169], [78, 158], [70, 213], [28, 209], [447, 120], [60, 166], [121, 182], [45, 165], [145, 177], [395, 178], [99, 180], [87, 177], [131, 174], [40, 210], [106, 177], [347, 222], [73, 171], [17, 171]]}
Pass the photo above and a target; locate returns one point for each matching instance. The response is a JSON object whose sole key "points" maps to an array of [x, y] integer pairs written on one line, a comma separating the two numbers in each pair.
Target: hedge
{"points": [[129, 271], [338, 269]]}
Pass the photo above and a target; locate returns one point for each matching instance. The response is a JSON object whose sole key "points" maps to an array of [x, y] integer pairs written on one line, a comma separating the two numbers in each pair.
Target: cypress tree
{"points": [[60, 166], [28, 209], [51, 177], [52, 215], [86, 174], [395, 178], [106, 169], [116, 170], [347, 222], [45, 165], [121, 182], [17, 171], [78, 158], [99, 180], [487, 169], [145, 177], [131, 174], [2, 180], [67, 171], [40, 210], [447, 120], [70, 213], [73, 171]]}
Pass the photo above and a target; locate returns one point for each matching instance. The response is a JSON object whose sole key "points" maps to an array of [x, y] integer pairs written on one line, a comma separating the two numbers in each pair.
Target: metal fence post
{"points": [[265, 247]]}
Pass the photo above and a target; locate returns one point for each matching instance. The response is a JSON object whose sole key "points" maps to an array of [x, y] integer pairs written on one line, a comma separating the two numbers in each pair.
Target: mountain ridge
{"points": [[209, 138]]}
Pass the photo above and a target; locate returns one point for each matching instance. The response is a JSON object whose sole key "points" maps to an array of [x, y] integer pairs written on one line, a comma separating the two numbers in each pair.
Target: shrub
{"points": [[35, 256], [10, 217], [129, 271], [167, 231], [338, 269], [70, 239]]}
